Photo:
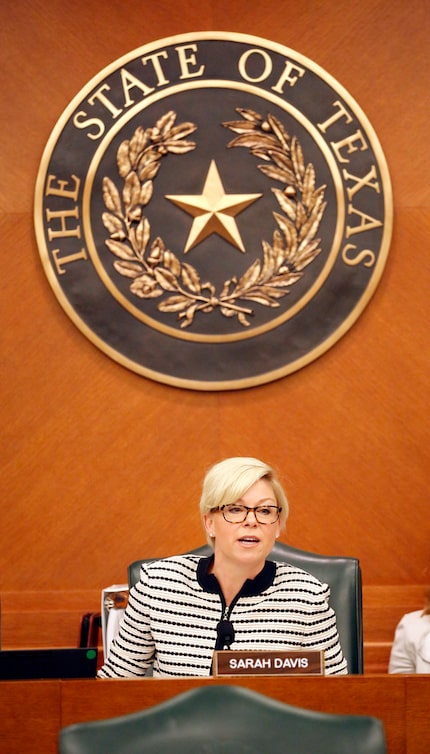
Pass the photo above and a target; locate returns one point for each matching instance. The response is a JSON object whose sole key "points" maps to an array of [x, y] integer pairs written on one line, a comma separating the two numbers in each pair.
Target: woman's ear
{"points": [[208, 523]]}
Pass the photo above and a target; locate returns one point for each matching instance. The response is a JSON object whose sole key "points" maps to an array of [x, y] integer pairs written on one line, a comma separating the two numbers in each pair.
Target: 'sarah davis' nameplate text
{"points": [[231, 662]]}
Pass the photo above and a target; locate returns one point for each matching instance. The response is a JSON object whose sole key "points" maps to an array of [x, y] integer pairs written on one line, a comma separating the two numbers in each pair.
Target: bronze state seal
{"points": [[213, 211]]}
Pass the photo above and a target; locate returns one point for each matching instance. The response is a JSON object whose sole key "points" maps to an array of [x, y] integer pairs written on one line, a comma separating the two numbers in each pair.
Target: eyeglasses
{"points": [[237, 514]]}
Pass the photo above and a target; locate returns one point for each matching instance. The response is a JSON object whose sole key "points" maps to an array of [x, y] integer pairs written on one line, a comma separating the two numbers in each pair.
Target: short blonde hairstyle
{"points": [[228, 480]]}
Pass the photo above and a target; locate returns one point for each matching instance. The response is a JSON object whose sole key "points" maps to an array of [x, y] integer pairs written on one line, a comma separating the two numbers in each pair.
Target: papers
{"points": [[114, 601]]}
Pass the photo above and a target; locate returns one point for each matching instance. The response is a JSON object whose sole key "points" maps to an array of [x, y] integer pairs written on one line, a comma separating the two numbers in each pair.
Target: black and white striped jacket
{"points": [[173, 612]]}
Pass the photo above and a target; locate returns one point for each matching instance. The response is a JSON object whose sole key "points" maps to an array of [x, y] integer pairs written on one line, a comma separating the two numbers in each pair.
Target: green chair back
{"points": [[219, 719]]}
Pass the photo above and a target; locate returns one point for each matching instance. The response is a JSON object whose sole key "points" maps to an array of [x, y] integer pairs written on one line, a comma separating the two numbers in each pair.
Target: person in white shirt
{"points": [[410, 652]]}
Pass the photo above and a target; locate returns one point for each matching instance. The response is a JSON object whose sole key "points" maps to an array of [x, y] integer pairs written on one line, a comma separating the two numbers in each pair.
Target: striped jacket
{"points": [[173, 612]]}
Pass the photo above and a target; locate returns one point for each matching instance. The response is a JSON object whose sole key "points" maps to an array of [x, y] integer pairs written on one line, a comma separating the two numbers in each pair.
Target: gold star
{"points": [[214, 211]]}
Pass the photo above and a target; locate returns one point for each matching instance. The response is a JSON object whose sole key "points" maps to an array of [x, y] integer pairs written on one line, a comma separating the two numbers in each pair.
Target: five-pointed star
{"points": [[214, 211]]}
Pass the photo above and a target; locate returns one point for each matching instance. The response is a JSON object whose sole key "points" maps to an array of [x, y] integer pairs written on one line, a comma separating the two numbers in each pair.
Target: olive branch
{"points": [[155, 270]]}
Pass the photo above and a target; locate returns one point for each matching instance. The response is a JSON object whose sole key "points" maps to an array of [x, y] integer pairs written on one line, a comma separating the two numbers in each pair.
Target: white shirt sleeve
{"points": [[403, 651]]}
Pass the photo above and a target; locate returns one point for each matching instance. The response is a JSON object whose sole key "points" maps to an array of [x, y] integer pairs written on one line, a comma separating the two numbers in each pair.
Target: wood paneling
{"points": [[417, 714], [30, 716], [398, 701], [100, 466], [45, 619]]}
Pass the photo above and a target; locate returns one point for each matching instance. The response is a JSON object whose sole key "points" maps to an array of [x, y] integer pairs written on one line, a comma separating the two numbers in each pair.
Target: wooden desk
{"points": [[32, 712]]}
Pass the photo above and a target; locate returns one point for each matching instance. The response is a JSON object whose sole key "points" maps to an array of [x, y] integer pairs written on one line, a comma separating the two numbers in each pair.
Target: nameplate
{"points": [[234, 662]]}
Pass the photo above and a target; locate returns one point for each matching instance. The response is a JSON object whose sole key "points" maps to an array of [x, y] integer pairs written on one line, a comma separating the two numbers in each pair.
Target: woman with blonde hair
{"points": [[186, 607]]}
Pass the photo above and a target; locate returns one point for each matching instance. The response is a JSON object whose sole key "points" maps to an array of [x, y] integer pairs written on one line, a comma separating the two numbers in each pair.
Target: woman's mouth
{"points": [[249, 540]]}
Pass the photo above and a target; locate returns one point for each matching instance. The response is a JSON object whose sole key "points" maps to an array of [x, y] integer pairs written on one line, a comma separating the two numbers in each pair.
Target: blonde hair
{"points": [[228, 480]]}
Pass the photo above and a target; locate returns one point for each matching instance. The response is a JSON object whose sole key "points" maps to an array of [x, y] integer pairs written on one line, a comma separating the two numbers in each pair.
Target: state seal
{"points": [[213, 211]]}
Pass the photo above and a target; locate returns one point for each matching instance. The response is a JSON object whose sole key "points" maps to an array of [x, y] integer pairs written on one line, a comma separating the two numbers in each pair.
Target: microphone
{"points": [[225, 633]]}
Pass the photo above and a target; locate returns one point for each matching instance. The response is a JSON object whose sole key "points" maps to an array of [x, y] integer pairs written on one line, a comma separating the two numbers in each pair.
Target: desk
{"points": [[32, 712]]}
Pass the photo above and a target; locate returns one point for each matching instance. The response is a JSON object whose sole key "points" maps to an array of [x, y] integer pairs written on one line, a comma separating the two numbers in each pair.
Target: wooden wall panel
{"points": [[100, 466], [38, 731]]}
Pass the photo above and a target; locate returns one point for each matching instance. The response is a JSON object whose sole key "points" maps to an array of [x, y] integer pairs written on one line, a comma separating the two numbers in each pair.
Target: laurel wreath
{"points": [[155, 270]]}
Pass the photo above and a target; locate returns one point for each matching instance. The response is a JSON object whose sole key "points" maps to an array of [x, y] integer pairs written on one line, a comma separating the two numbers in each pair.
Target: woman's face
{"points": [[248, 542]]}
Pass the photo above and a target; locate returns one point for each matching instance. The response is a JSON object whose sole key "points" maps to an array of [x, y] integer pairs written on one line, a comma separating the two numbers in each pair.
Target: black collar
{"points": [[251, 587]]}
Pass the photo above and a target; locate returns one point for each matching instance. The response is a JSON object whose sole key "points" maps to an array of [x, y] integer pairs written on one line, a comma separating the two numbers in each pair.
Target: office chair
{"points": [[225, 720], [343, 575]]}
